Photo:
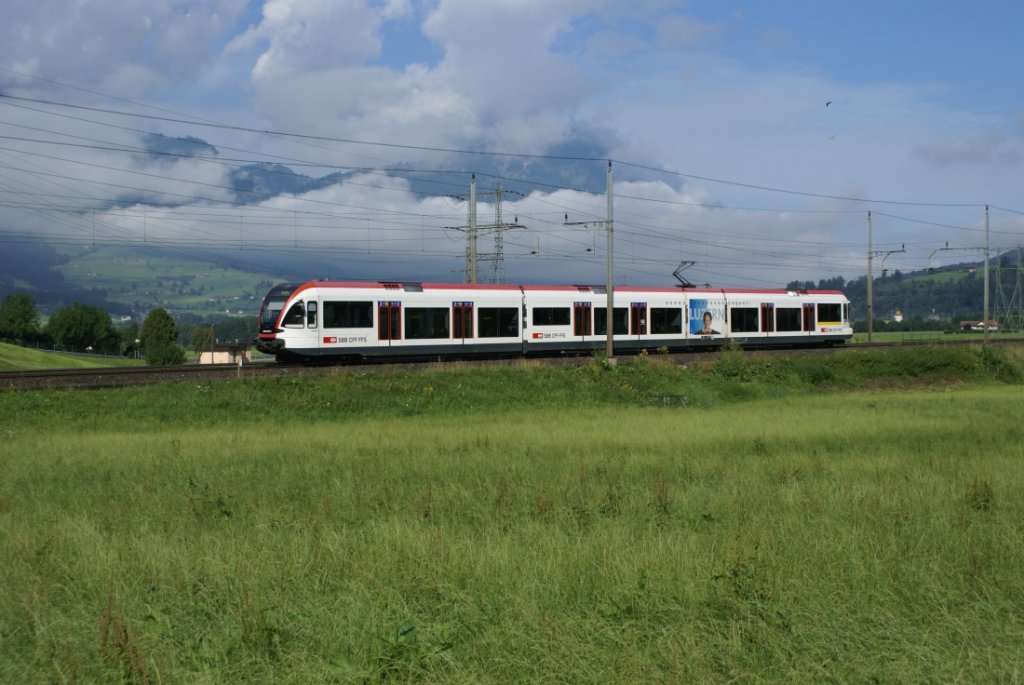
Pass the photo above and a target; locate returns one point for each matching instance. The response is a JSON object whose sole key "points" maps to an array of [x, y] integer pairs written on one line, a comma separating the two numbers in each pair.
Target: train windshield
{"points": [[272, 305]]}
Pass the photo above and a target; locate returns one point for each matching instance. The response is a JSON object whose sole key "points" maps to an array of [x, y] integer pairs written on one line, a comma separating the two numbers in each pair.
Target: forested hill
{"points": [[951, 293]]}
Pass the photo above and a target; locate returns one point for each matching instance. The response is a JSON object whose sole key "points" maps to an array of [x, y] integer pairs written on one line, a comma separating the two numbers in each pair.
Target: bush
{"points": [[79, 327], [164, 354], [159, 339], [19, 318]]}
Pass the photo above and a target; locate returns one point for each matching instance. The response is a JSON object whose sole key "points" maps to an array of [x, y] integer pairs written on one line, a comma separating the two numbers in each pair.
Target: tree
{"points": [[201, 338], [79, 327], [129, 335], [19, 318], [160, 339]]}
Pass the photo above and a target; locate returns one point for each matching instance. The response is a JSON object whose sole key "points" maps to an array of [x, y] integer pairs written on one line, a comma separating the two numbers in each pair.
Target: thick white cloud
{"points": [[122, 46], [312, 36], [504, 79]]}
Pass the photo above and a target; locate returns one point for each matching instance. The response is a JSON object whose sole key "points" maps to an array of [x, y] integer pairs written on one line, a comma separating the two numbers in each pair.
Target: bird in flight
{"points": [[828, 103]]}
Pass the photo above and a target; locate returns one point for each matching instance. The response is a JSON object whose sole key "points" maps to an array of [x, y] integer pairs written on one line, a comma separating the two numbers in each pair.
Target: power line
{"points": [[823, 196], [300, 136], [462, 151]]}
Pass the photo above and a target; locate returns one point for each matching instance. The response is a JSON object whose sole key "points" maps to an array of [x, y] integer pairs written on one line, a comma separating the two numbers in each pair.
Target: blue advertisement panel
{"points": [[706, 317]]}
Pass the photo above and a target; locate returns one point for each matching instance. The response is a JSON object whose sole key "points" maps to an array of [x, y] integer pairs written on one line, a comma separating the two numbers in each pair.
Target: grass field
{"points": [[17, 358], [856, 518], [938, 336]]}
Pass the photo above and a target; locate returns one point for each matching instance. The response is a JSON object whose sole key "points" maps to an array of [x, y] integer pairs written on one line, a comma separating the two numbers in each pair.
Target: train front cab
{"points": [[289, 322], [267, 336]]}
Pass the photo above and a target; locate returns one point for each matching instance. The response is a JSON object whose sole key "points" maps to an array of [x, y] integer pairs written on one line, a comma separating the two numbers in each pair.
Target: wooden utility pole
{"points": [[610, 224], [984, 316], [871, 306]]}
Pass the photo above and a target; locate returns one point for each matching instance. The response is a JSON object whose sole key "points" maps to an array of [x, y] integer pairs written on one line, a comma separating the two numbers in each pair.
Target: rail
{"points": [[115, 377]]}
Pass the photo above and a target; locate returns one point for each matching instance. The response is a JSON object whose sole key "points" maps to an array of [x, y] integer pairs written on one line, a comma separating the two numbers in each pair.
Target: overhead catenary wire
{"points": [[488, 153], [631, 228], [658, 200]]}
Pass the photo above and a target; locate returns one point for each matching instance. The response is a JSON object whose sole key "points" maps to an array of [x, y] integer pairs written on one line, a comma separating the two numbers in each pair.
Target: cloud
{"points": [[680, 31], [986, 148], [313, 35], [502, 83], [397, 9], [118, 45], [651, 82]]}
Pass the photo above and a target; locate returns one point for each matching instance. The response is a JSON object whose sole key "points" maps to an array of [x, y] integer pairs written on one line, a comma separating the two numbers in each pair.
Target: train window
{"points": [[348, 314], [311, 314], [787, 319], [744, 319], [620, 318], [829, 313], [295, 315], [550, 316], [427, 322], [666, 321], [498, 322], [268, 314]]}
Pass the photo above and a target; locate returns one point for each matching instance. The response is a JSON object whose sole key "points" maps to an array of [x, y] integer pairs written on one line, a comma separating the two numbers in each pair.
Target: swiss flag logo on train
{"points": [[538, 336], [330, 340]]}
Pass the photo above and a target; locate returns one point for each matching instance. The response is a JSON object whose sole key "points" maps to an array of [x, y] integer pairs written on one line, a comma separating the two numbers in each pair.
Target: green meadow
{"points": [[856, 517], [18, 358], [935, 336]]}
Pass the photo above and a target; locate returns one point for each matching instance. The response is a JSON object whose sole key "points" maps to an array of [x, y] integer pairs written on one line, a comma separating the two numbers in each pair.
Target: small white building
{"points": [[226, 353]]}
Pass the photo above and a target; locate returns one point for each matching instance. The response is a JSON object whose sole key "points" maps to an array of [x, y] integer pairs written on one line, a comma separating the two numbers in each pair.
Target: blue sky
{"points": [[709, 110]]}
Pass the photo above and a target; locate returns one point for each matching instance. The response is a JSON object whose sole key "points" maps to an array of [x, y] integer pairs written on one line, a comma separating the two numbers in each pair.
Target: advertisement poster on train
{"points": [[706, 317]]}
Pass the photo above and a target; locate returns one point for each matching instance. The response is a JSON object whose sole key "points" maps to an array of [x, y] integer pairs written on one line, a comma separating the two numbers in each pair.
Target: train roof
{"points": [[597, 288]]}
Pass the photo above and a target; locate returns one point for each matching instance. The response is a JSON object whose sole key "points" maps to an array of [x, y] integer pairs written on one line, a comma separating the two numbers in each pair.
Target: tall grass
{"points": [[319, 533]]}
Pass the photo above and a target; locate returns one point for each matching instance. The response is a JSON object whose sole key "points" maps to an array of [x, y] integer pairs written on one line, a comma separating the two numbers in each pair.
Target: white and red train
{"points": [[353, 320]]}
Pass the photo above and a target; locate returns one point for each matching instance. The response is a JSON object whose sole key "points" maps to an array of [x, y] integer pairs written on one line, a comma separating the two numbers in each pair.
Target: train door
{"points": [[638, 318], [767, 317], [389, 323], [301, 326], [582, 321], [808, 317], [462, 322]]}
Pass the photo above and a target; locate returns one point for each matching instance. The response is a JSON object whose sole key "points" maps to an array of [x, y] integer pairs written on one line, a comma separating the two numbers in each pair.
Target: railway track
{"points": [[115, 377]]}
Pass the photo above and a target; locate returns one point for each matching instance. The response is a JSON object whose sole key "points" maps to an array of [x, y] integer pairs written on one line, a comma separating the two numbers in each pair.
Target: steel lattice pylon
{"points": [[1009, 295]]}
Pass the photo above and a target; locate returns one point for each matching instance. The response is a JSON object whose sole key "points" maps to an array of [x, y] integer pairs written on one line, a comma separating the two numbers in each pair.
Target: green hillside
{"points": [[941, 297], [937, 276], [142, 282]]}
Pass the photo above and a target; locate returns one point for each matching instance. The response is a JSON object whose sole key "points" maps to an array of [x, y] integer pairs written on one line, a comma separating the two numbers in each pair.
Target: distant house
{"points": [[226, 353], [967, 326]]}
